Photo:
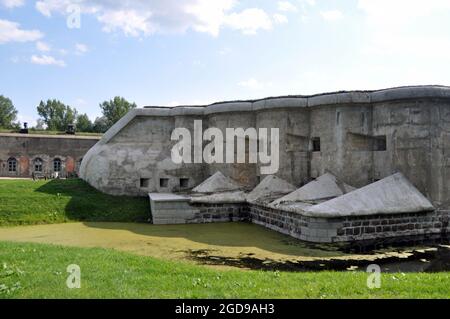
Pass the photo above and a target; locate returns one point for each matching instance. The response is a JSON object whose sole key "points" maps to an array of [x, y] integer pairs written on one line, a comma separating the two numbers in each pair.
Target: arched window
{"points": [[12, 165], [57, 165], [37, 164]]}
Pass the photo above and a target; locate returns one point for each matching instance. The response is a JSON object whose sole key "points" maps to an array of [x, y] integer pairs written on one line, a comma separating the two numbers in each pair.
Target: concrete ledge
{"points": [[300, 101], [276, 103], [229, 107], [161, 197]]}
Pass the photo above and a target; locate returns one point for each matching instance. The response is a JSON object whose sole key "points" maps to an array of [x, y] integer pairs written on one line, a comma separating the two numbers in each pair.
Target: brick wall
{"points": [[26, 149]]}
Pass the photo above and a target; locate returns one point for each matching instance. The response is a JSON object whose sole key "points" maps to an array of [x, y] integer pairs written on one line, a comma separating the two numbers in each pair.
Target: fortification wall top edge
{"points": [[305, 101], [325, 99]]}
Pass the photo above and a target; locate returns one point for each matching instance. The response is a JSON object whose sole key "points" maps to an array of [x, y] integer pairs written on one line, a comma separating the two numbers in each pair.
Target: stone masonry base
{"points": [[325, 230]]}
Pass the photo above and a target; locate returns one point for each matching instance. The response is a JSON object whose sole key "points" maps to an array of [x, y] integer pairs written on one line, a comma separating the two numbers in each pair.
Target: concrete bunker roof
{"points": [[299, 101], [292, 101]]}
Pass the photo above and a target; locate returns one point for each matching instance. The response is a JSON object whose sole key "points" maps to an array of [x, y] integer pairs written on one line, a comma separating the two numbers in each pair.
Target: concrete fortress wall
{"points": [[364, 136]]}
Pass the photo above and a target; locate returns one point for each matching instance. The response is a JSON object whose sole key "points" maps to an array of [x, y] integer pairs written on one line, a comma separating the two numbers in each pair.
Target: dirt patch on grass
{"points": [[429, 260]]}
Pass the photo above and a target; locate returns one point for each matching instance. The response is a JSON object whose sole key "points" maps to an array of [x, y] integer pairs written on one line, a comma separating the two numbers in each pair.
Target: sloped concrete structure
{"points": [[271, 187], [360, 136], [392, 195], [217, 183], [325, 187]]}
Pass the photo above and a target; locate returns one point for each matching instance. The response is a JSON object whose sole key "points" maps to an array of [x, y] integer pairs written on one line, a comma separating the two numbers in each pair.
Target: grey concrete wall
{"points": [[414, 120]]}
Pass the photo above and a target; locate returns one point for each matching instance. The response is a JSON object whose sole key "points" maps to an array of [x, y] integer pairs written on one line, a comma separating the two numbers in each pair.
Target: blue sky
{"points": [[169, 52]]}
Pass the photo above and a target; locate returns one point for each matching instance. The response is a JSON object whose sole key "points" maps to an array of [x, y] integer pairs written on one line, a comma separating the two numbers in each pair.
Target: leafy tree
{"points": [[8, 113], [115, 109], [39, 125], [56, 115], [84, 124], [100, 125]]}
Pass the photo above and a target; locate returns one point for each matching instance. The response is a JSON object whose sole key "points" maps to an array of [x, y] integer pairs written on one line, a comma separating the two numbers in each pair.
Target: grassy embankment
{"points": [[27, 202], [39, 271]]}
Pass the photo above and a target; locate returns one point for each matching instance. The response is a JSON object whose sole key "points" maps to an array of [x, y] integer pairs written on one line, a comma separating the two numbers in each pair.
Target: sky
{"points": [[173, 52]]}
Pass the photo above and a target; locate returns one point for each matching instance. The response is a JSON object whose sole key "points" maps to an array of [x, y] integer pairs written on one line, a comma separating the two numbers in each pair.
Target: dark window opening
{"points": [[12, 165], [164, 182], [144, 182], [38, 165], [184, 182], [57, 165], [338, 117], [380, 144], [316, 144]]}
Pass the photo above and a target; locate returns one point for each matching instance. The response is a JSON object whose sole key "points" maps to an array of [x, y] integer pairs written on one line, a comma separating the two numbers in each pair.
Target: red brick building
{"points": [[23, 155]]}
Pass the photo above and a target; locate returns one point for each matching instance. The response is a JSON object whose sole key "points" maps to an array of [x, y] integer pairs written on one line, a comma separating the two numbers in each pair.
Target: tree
{"points": [[8, 113], [39, 125], [100, 125], [84, 124], [115, 109], [56, 115]]}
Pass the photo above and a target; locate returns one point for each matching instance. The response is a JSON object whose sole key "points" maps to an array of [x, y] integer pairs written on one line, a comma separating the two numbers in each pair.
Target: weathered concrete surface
{"points": [[271, 187], [170, 209], [226, 197], [391, 195], [217, 183], [325, 187], [364, 136]]}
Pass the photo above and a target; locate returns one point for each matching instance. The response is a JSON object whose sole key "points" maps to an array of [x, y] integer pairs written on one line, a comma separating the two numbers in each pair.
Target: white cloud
{"points": [[309, 2], [137, 18], [42, 46], [332, 15], [81, 48], [225, 51], [131, 22], [47, 60], [12, 3], [249, 21], [286, 6], [253, 84], [11, 32], [402, 27], [280, 18]]}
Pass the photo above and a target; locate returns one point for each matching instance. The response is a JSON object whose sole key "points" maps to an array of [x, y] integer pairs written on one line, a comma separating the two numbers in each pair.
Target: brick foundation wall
{"points": [[344, 229], [311, 229]]}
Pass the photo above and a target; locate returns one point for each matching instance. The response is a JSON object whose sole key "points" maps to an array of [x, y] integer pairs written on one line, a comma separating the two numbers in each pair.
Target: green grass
{"points": [[39, 271], [25, 202]]}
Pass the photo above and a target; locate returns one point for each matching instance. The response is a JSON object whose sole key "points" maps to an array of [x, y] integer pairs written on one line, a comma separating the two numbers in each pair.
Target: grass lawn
{"points": [[130, 270], [25, 202], [39, 271]]}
